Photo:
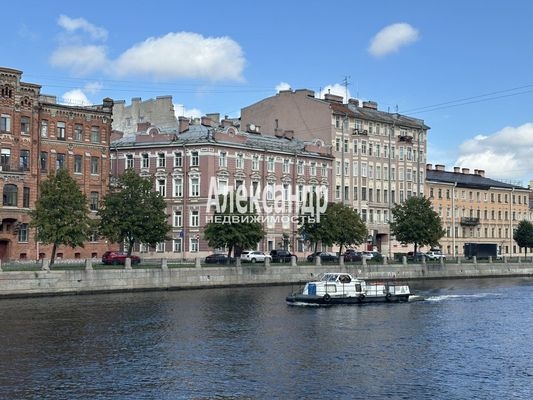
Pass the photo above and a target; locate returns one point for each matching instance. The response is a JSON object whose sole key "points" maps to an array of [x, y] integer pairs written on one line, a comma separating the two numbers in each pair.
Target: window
{"points": [[5, 159], [178, 187], [178, 159], [60, 161], [43, 161], [270, 164], [78, 164], [94, 200], [300, 167], [194, 245], [195, 218], [10, 195], [177, 221], [95, 134], [78, 132], [160, 247], [25, 125], [161, 160], [337, 168], [312, 169], [195, 187], [5, 123], [26, 197], [24, 160], [223, 159], [176, 245], [145, 160], [324, 170], [240, 161], [161, 187], [95, 162], [255, 163], [129, 161], [286, 166], [23, 233], [61, 130], [194, 159], [44, 128]]}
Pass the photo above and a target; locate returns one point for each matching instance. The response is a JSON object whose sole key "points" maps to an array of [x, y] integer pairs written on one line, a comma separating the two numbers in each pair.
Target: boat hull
{"points": [[303, 299]]}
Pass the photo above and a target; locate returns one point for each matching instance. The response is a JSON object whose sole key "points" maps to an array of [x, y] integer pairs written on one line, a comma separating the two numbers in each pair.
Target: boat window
{"points": [[345, 279], [358, 287], [330, 288]]}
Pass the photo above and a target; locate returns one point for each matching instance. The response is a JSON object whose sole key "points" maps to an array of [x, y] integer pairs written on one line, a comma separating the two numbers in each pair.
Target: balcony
{"points": [[469, 221], [407, 139]]}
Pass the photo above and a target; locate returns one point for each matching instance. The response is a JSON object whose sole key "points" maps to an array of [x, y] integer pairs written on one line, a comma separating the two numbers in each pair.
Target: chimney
{"points": [[481, 172], [183, 123], [333, 98], [457, 170], [439, 167], [215, 117], [370, 104], [429, 167], [354, 102], [143, 126], [466, 171], [289, 134], [206, 121]]}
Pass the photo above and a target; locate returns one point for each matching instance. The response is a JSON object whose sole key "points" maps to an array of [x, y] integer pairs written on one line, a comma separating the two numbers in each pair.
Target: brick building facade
{"points": [[38, 136], [198, 160]]}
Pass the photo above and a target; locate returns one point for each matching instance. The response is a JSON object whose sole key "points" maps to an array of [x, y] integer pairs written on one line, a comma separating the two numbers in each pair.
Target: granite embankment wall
{"points": [[51, 282]]}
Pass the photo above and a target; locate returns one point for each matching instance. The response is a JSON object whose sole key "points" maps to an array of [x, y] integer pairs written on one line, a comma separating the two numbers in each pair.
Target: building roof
{"points": [[201, 134], [473, 181]]}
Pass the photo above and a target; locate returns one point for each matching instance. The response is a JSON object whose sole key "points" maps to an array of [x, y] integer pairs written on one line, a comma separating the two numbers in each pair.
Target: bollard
{"points": [[197, 263], [267, 261], [318, 261], [293, 261], [88, 264], [404, 260], [238, 262], [127, 263], [1, 266], [341, 261], [164, 263], [46, 265], [474, 259]]}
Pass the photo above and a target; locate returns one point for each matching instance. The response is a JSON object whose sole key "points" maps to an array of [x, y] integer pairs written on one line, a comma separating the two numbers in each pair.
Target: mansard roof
{"points": [[473, 181]]}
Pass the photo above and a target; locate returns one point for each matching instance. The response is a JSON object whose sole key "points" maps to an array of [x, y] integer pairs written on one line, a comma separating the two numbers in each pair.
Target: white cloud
{"points": [[282, 86], [337, 89], [81, 60], [93, 87], [75, 97], [183, 55], [181, 111], [73, 24], [391, 38], [503, 155]]}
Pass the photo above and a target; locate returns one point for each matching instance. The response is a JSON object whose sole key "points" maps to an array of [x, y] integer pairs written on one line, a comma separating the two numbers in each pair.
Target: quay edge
{"points": [[17, 284]]}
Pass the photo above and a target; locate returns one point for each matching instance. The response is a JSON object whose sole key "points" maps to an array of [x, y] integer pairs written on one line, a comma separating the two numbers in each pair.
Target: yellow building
{"points": [[476, 209]]}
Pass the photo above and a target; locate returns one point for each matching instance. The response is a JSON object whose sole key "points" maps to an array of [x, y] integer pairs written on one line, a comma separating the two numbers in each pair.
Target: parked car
{"points": [[435, 255], [219, 258], [352, 255], [412, 256], [324, 256], [119, 257], [282, 256], [254, 256]]}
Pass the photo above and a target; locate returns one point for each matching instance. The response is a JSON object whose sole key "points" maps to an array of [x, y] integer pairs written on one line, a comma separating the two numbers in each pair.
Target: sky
{"points": [[464, 67]]}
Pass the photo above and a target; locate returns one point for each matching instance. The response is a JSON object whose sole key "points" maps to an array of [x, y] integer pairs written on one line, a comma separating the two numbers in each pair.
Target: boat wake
{"points": [[446, 297]]}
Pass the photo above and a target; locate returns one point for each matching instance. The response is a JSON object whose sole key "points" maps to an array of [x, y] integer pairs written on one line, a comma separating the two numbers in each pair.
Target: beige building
{"points": [[380, 157], [476, 209]]}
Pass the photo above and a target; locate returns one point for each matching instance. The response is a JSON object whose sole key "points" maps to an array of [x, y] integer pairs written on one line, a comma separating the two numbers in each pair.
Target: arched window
{"points": [[10, 195]]}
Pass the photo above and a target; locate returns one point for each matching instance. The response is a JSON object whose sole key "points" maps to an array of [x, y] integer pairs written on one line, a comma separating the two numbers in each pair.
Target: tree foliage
{"points": [[414, 221], [311, 229], [523, 235], [233, 226], [61, 213], [135, 213], [339, 225]]}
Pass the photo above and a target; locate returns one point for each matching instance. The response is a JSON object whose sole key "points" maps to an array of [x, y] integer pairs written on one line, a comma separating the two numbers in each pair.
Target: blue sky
{"points": [[464, 67]]}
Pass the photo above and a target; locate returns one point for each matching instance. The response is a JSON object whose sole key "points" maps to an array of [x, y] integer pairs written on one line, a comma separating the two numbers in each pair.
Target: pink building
{"points": [[200, 160]]}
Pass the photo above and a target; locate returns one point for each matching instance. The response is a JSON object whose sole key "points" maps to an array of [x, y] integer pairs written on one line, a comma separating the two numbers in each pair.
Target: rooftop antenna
{"points": [[345, 83]]}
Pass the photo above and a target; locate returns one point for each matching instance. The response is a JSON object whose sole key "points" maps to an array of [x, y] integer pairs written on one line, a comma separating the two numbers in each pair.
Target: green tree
{"points": [[134, 213], [342, 226], [523, 235], [61, 214], [233, 226], [415, 221], [310, 227]]}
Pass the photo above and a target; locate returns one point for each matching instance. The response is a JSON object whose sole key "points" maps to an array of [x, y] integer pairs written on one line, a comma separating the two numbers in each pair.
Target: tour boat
{"points": [[342, 288]]}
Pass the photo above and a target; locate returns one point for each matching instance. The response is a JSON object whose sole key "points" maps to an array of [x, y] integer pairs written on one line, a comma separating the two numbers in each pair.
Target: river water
{"points": [[470, 339]]}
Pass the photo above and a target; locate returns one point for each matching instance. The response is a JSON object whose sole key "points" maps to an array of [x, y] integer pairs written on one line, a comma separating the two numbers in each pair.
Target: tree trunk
{"points": [[53, 256]]}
